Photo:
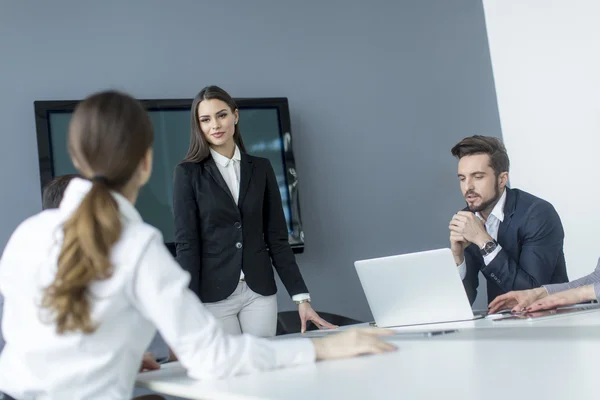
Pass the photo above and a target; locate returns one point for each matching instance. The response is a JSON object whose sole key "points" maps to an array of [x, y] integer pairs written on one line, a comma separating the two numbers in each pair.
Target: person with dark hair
{"points": [[230, 228], [514, 238], [86, 285], [53, 192]]}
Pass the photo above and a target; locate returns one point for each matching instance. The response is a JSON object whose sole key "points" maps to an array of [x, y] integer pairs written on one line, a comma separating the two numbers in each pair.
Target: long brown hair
{"points": [[109, 135], [199, 147]]}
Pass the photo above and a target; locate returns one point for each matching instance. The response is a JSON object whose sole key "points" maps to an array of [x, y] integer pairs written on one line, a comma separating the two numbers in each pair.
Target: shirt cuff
{"points": [[293, 352], [546, 289], [300, 297], [557, 287], [462, 269], [490, 257]]}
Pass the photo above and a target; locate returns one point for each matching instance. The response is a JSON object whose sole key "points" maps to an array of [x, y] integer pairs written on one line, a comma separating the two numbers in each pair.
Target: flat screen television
{"points": [[265, 127]]}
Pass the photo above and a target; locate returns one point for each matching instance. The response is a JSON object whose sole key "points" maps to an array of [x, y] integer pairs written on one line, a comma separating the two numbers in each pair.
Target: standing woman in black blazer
{"points": [[230, 228]]}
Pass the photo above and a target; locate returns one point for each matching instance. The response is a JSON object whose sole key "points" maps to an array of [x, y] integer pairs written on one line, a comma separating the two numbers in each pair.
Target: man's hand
{"points": [[458, 244], [470, 227], [517, 300]]}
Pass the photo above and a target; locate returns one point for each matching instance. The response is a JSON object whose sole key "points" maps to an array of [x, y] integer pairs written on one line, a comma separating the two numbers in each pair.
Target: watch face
{"points": [[489, 247]]}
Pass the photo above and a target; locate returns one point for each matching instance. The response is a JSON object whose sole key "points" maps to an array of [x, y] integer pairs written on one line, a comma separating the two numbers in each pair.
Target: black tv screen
{"points": [[265, 127]]}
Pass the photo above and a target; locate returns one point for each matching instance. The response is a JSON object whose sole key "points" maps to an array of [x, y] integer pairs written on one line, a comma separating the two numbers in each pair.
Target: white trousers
{"points": [[246, 312]]}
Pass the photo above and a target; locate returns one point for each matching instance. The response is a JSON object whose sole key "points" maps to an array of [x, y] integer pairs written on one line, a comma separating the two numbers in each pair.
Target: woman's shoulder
{"points": [[139, 231], [190, 169], [135, 239], [189, 166], [260, 161], [34, 233]]}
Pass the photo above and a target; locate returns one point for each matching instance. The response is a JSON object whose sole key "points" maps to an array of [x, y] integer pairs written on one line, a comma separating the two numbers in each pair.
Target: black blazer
{"points": [[531, 237], [217, 239]]}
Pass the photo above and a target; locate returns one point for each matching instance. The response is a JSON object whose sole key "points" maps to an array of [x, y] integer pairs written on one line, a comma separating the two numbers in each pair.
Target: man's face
{"points": [[479, 184]]}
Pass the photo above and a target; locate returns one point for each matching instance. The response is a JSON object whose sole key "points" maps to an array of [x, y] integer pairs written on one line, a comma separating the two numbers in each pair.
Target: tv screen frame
{"points": [[43, 109]]}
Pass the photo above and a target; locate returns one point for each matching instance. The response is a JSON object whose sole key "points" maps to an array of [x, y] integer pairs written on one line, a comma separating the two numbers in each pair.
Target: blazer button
{"points": [[237, 225], [238, 245]]}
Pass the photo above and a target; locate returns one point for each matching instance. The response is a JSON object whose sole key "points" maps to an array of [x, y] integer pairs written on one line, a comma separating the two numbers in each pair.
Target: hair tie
{"points": [[100, 179]]}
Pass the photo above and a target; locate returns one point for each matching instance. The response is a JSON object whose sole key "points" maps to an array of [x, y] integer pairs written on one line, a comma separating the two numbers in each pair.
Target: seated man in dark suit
{"points": [[514, 238]]}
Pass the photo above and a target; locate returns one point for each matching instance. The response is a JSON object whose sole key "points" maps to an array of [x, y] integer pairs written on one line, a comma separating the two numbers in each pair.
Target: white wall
{"points": [[546, 68]]}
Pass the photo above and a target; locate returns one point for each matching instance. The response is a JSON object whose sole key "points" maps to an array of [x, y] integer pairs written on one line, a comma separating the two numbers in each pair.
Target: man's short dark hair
{"points": [[53, 192], [484, 145]]}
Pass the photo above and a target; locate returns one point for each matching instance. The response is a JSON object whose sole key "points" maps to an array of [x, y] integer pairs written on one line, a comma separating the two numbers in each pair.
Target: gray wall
{"points": [[379, 91]]}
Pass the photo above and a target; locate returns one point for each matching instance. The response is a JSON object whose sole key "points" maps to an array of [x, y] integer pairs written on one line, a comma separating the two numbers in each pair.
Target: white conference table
{"points": [[547, 359]]}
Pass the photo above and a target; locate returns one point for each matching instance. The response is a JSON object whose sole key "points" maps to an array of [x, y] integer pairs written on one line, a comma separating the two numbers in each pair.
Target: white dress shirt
{"points": [[147, 289], [491, 226], [230, 171]]}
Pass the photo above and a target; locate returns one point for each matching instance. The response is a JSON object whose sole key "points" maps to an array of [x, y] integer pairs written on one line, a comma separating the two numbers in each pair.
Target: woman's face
{"points": [[217, 122]]}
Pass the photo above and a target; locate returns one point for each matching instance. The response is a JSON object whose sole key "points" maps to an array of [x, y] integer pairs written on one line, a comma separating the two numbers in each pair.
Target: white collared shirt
{"points": [[230, 171], [147, 289], [492, 224]]}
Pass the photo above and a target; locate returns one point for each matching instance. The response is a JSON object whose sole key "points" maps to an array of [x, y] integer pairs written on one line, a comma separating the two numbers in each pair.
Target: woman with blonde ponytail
{"points": [[89, 234], [86, 285]]}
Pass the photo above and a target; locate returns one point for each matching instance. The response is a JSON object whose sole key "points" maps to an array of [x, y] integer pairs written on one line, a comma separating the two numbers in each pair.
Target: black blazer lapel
{"points": [[246, 169], [214, 172], [509, 210]]}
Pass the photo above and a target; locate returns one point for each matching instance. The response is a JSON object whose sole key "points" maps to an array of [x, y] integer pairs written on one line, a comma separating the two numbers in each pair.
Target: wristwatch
{"points": [[307, 300], [488, 247]]}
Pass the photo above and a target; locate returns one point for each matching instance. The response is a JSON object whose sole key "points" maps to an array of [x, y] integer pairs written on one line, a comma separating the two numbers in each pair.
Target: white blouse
{"points": [[148, 289]]}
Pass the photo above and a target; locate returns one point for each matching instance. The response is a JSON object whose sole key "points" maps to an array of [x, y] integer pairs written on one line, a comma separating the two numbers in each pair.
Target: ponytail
{"points": [[84, 258]]}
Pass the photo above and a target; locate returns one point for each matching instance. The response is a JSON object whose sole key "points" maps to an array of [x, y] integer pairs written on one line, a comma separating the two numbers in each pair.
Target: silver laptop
{"points": [[413, 289]]}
